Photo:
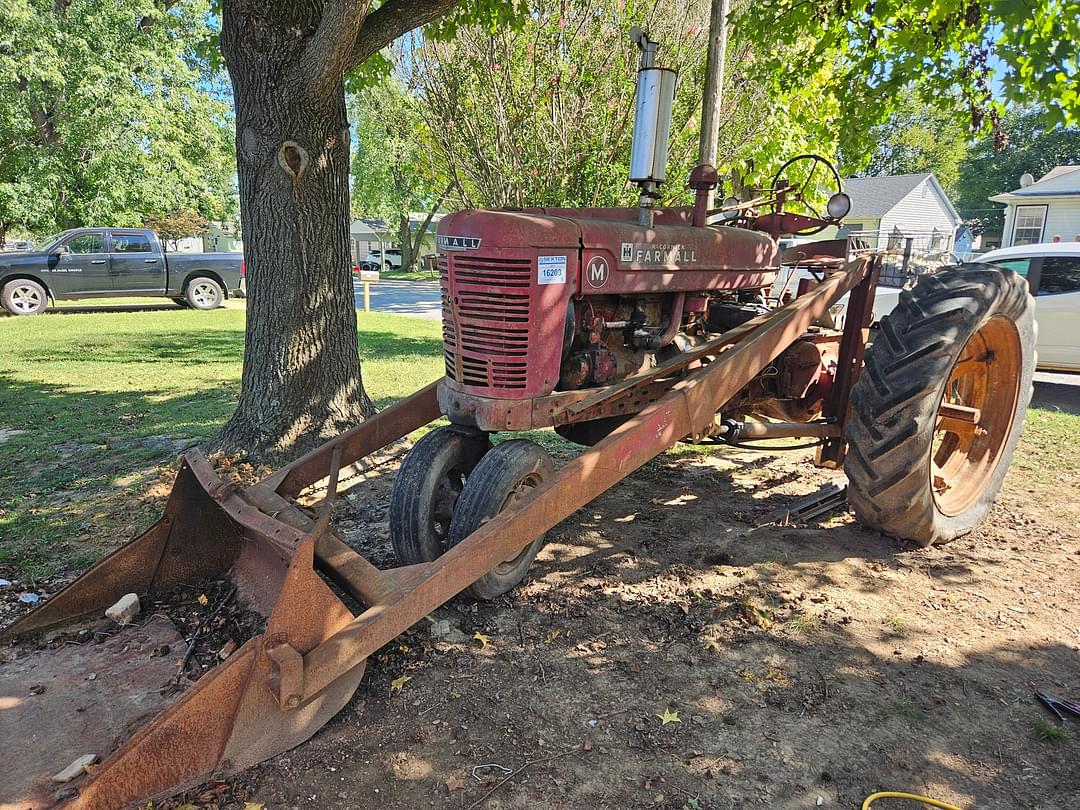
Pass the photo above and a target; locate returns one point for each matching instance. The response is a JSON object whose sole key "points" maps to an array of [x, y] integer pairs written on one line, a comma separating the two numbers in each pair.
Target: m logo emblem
{"points": [[597, 272]]}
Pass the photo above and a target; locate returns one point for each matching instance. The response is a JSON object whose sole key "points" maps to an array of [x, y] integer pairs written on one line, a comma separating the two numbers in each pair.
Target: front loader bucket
{"points": [[226, 721], [283, 684]]}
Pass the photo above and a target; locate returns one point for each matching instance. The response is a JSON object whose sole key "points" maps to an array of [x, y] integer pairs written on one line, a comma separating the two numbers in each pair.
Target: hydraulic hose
{"points": [[890, 794]]}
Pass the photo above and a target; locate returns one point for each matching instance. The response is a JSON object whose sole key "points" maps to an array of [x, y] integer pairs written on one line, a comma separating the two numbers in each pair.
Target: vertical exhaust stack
{"points": [[652, 125]]}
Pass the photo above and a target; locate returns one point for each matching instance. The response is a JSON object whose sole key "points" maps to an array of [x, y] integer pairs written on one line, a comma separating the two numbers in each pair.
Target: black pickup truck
{"points": [[114, 262]]}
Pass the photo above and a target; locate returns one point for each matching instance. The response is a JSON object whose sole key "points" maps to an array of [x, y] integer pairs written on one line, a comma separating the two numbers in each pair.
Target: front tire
{"points": [[503, 478], [24, 297], [426, 491], [938, 409], [204, 293]]}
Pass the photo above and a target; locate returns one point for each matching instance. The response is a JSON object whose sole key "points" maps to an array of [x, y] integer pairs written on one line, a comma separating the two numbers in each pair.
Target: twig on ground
{"points": [[198, 632], [520, 771]]}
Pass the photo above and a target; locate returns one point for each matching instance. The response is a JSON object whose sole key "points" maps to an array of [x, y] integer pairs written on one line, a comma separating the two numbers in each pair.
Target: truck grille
{"points": [[487, 344]]}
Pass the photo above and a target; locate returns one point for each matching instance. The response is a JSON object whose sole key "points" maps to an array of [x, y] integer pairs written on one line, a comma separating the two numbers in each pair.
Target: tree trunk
{"points": [[405, 239], [301, 379]]}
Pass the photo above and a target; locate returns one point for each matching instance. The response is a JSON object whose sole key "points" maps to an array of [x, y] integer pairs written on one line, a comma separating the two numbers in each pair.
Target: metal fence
{"points": [[906, 254]]}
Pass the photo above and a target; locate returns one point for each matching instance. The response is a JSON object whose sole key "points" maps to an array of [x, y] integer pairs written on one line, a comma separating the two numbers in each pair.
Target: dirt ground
{"points": [[665, 652], [807, 666]]}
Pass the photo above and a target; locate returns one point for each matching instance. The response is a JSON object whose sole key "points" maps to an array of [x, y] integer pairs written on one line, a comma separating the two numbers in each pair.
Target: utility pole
{"points": [[714, 83]]}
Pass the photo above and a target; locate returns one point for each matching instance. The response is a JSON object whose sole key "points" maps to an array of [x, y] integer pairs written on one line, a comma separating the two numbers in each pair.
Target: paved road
{"points": [[1057, 391], [417, 299]]}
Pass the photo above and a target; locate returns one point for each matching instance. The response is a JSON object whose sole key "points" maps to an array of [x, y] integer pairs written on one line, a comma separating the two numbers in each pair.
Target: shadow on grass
{"points": [[206, 346], [1052, 396]]}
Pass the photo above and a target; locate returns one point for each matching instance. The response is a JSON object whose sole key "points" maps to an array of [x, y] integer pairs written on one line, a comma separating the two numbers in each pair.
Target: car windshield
{"points": [[50, 243]]}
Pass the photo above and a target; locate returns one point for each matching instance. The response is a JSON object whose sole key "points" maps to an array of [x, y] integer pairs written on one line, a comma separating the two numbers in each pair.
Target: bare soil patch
{"points": [[808, 666]]}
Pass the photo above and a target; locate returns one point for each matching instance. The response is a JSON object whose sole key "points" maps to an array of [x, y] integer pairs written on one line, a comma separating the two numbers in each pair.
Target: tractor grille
{"points": [[487, 344]]}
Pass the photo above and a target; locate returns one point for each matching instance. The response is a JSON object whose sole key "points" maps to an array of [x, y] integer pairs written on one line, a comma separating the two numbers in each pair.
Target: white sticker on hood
{"points": [[551, 270]]}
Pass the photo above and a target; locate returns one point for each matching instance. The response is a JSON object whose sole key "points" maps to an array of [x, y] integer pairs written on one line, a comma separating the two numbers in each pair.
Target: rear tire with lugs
{"points": [[938, 409]]}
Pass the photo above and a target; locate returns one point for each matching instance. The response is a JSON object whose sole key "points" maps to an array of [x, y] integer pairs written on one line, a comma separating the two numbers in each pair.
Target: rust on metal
{"points": [[687, 409], [380, 430], [285, 683], [860, 311]]}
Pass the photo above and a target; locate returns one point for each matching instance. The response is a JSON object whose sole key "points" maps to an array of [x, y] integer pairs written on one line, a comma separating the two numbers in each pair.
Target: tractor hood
{"points": [[672, 244]]}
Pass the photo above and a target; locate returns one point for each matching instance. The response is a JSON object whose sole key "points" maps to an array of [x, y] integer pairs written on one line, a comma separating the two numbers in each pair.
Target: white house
{"points": [[1047, 210], [367, 235], [903, 205]]}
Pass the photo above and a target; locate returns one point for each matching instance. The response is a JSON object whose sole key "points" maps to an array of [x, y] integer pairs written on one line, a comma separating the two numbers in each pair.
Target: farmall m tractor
{"points": [[626, 331]]}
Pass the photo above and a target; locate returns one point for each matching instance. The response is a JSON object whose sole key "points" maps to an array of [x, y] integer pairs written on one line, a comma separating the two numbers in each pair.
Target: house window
{"points": [[1060, 274], [1030, 220]]}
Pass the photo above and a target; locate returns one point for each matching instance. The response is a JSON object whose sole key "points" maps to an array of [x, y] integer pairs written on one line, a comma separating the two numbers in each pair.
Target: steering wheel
{"points": [[807, 182]]}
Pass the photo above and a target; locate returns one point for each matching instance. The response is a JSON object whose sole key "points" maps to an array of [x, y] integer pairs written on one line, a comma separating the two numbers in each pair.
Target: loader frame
{"points": [[284, 684]]}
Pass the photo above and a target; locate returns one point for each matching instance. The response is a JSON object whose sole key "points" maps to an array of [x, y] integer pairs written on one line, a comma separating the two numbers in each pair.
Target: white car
{"points": [[393, 258], [1053, 273]]}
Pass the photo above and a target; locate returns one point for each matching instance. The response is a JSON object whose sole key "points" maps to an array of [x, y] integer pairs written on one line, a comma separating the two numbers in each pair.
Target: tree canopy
{"points": [[987, 53], [539, 114], [394, 167], [1034, 147], [106, 115], [917, 137]]}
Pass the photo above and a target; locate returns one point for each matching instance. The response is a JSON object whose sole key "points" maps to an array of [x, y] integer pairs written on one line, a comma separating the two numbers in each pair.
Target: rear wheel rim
{"points": [[204, 294], [976, 415], [26, 299]]}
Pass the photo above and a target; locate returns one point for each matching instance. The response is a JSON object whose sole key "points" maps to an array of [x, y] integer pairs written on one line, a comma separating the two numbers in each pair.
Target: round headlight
{"points": [[839, 205], [730, 202]]}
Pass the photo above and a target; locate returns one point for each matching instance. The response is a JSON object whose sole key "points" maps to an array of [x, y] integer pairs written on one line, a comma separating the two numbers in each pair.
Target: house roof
{"points": [[1060, 181], [876, 196]]}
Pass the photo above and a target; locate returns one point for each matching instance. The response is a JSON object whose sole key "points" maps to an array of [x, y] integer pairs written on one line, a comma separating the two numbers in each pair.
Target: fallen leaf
{"points": [[484, 640], [253, 806], [669, 717], [204, 601], [711, 644], [403, 648], [551, 636], [397, 683], [187, 807], [455, 783]]}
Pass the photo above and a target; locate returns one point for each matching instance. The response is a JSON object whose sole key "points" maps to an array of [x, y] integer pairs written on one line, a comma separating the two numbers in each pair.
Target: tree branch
{"points": [[326, 55], [391, 20]]}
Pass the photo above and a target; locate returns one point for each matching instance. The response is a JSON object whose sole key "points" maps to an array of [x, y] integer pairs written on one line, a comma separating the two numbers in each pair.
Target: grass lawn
{"points": [[403, 275], [106, 401]]}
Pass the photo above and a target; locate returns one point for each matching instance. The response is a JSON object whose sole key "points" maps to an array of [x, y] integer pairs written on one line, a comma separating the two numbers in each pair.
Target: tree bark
{"points": [[405, 239], [301, 378]]}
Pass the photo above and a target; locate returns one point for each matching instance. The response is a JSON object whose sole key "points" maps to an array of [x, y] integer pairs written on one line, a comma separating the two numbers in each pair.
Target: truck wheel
{"points": [[426, 490], [504, 477], [204, 293], [24, 297], [936, 414]]}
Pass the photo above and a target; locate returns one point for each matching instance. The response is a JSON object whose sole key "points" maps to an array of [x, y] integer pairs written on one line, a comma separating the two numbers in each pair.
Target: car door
{"points": [[136, 263], [1057, 310], [79, 266]]}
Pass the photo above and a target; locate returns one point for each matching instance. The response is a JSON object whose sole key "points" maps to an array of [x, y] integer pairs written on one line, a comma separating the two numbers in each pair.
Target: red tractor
{"points": [[625, 330]]}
